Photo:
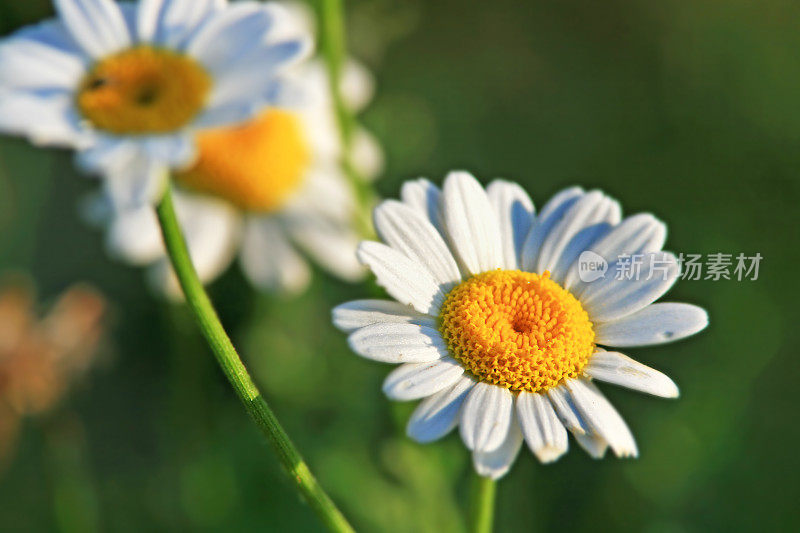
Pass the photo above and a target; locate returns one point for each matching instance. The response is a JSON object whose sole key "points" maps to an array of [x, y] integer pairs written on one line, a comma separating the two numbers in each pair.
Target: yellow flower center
{"points": [[518, 330], [256, 166], [143, 90]]}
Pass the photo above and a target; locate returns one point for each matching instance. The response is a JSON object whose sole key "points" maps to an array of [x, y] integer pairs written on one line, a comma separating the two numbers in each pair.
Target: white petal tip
{"points": [[549, 454], [491, 474], [576, 430], [627, 454], [703, 320], [672, 392]]}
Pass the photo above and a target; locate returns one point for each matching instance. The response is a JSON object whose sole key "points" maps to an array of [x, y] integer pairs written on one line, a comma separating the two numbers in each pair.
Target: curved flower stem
{"points": [[482, 504], [237, 374]]}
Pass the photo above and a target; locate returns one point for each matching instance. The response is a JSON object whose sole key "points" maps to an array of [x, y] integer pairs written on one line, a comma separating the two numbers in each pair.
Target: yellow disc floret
{"points": [[143, 90], [517, 330], [255, 166]]}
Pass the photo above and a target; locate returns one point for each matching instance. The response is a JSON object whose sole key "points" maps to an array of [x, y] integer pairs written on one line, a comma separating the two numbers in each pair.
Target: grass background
{"points": [[688, 110]]}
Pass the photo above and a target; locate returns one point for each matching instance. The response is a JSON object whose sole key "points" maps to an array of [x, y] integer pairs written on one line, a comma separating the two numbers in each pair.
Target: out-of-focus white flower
{"points": [[270, 191], [128, 85], [494, 327]]}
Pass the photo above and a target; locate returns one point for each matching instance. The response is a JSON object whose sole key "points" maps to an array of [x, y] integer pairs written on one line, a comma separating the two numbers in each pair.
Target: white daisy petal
{"points": [[366, 154], [148, 14], [97, 25], [471, 224], [177, 151], [31, 64], [51, 32], [357, 314], [331, 244], [134, 173], [425, 197], [496, 463], [171, 22], [404, 229], [655, 324], [269, 261], [44, 121], [582, 241], [141, 184], [437, 415], [549, 216], [619, 369], [226, 114], [357, 85], [565, 409], [601, 416], [326, 194], [406, 280], [514, 210], [486, 417], [638, 234], [610, 298], [544, 432], [398, 343], [593, 444], [132, 178], [591, 209], [107, 152], [413, 381], [230, 35], [135, 236], [252, 75]]}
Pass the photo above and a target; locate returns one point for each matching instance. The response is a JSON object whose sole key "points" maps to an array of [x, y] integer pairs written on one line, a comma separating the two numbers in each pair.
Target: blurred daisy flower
{"points": [[269, 191], [127, 85], [41, 358], [493, 326]]}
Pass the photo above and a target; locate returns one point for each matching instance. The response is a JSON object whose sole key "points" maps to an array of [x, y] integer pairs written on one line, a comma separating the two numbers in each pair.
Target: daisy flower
{"points": [[493, 326], [270, 191], [128, 85]]}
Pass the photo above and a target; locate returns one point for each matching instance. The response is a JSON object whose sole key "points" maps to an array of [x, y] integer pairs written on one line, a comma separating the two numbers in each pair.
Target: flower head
{"points": [[128, 85], [494, 327], [270, 190]]}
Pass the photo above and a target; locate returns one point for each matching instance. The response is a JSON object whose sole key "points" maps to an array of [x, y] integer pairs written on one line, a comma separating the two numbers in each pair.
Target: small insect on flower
{"points": [[494, 327], [129, 85], [41, 358]]}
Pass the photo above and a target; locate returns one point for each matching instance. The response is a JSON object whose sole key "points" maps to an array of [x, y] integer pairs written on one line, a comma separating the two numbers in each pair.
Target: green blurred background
{"points": [[686, 109]]}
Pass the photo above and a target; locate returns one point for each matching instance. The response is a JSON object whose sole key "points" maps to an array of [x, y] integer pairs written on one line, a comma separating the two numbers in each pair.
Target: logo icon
{"points": [[591, 266]]}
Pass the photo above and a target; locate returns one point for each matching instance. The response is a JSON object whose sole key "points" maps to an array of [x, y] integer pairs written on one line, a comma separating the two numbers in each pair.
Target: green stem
{"points": [[482, 504], [334, 51], [237, 374]]}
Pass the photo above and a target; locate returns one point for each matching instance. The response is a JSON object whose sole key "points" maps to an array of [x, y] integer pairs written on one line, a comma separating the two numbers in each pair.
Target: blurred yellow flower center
{"points": [[256, 166], [143, 90], [518, 330]]}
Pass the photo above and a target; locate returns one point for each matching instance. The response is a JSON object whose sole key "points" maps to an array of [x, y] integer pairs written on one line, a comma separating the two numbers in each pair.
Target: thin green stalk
{"points": [[482, 504], [237, 374], [334, 51]]}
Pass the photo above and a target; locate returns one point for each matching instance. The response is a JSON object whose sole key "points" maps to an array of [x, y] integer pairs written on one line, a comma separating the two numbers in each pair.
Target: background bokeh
{"points": [[686, 109]]}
